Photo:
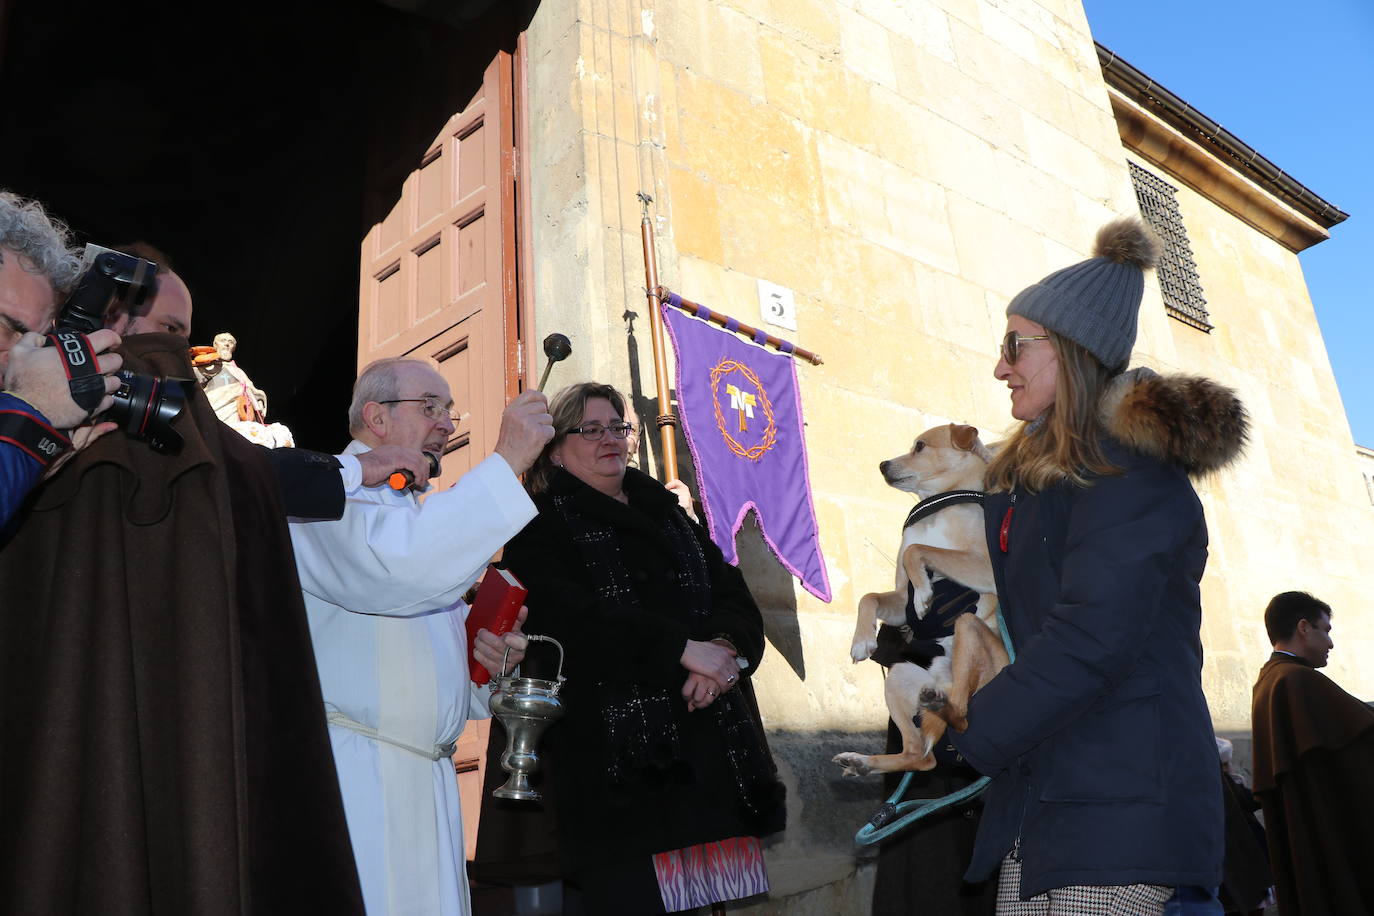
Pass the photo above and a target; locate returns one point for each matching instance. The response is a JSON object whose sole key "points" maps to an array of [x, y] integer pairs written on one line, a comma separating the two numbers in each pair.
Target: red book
{"points": [[495, 608]]}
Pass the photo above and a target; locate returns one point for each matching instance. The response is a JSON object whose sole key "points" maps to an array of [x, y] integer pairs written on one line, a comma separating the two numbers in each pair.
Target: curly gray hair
{"points": [[43, 244]]}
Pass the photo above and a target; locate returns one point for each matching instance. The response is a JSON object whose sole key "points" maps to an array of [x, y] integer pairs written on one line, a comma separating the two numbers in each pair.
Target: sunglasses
{"points": [[1011, 345]]}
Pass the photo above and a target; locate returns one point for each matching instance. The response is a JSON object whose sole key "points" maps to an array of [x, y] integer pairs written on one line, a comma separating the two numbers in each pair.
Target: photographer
{"points": [[36, 263], [154, 623], [36, 404]]}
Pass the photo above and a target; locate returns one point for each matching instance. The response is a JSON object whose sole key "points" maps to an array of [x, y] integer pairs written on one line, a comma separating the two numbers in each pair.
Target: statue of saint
{"points": [[232, 394]]}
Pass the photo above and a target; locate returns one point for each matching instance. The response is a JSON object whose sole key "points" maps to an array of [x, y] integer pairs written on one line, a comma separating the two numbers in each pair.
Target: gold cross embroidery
{"points": [[743, 402]]}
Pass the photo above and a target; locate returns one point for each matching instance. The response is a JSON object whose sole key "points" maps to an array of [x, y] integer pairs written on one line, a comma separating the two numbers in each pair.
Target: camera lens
{"points": [[145, 407]]}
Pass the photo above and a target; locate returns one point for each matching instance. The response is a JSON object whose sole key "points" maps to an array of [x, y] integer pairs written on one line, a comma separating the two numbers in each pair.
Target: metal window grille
{"points": [[1178, 278]]}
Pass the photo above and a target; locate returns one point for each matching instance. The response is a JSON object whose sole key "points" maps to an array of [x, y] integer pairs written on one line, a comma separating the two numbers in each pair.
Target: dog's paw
{"points": [[855, 765], [932, 699], [921, 597], [863, 648]]}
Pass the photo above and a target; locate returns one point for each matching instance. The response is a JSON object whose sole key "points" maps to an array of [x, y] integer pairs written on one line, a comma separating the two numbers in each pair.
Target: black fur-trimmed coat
{"points": [[688, 800], [1098, 736]]}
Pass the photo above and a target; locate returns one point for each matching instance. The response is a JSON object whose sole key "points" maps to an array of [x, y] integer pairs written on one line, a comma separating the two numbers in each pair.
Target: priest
{"points": [[383, 589]]}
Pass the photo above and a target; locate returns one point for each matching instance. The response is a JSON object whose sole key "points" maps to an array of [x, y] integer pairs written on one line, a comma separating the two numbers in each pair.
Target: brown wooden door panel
{"points": [[438, 282], [439, 254]]}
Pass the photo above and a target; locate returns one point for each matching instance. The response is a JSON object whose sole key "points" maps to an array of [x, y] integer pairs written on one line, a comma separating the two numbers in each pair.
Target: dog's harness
{"points": [[924, 509], [896, 815], [932, 504]]}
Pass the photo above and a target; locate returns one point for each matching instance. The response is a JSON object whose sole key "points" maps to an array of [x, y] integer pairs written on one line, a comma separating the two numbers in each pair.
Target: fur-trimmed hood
{"points": [[1182, 419]]}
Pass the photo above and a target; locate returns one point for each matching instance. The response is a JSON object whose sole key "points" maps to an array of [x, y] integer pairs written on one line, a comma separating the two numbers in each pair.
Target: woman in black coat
{"points": [[663, 782], [1105, 794]]}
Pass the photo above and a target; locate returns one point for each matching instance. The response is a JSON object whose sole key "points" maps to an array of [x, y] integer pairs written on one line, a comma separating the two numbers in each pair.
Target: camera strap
{"points": [[83, 372], [32, 436]]}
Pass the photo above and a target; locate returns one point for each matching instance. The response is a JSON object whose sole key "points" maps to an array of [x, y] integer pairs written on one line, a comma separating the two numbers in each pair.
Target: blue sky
{"points": [[1294, 81]]}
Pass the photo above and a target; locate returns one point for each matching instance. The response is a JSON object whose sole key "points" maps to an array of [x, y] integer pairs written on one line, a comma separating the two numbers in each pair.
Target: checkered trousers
{"points": [[1079, 899]]}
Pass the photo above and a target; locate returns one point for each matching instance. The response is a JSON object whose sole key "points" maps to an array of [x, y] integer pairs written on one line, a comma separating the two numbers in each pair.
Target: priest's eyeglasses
{"points": [[592, 431], [432, 408], [1011, 345]]}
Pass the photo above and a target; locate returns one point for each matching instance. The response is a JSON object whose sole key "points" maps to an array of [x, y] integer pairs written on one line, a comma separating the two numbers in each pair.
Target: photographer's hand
{"points": [[381, 462], [81, 437], [37, 374]]}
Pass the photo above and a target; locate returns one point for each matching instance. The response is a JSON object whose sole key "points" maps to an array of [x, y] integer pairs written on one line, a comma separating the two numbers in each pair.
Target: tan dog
{"points": [[951, 542]]}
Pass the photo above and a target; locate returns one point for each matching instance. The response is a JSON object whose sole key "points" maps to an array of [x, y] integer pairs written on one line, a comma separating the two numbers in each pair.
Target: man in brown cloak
{"points": [[1314, 768], [164, 749]]}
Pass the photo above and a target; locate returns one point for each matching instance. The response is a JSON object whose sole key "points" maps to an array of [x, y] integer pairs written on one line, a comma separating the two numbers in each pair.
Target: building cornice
{"points": [[1167, 131]]}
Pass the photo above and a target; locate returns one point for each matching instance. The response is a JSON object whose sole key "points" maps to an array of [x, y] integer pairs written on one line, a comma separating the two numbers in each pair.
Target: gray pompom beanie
{"points": [[1095, 302]]}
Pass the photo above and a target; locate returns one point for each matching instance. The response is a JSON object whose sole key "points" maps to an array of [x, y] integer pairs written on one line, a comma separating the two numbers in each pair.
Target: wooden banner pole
{"points": [[712, 315], [666, 420]]}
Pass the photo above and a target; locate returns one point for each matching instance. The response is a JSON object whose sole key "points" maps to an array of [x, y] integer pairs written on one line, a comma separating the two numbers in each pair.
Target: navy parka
{"points": [[1098, 737]]}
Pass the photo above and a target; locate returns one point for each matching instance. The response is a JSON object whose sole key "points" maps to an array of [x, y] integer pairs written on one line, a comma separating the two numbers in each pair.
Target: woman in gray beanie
{"points": [[1105, 795]]}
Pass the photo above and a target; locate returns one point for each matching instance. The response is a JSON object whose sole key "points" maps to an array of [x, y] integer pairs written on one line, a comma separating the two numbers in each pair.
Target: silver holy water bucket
{"points": [[526, 706]]}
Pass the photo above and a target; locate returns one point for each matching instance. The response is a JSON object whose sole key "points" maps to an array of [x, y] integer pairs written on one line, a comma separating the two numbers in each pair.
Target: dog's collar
{"points": [[932, 504]]}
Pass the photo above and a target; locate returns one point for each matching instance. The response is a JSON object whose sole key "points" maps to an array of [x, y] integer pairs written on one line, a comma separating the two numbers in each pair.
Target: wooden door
{"points": [[439, 271], [439, 283]]}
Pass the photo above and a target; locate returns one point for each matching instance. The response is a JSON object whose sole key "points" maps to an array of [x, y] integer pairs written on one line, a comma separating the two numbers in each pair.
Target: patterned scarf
{"points": [[641, 722]]}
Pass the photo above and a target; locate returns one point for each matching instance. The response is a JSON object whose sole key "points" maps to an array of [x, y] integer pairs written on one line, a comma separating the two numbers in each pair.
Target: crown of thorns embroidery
{"points": [[742, 403]]}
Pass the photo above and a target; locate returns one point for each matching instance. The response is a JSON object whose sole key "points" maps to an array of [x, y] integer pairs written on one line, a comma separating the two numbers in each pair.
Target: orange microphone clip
{"points": [[400, 480]]}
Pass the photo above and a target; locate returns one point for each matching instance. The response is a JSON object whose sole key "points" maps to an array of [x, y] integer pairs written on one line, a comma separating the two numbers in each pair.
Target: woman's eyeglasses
{"points": [[592, 431], [1011, 345]]}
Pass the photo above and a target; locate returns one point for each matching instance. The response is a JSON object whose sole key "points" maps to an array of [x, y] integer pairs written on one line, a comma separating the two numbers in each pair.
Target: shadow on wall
{"points": [[769, 581], [775, 591]]}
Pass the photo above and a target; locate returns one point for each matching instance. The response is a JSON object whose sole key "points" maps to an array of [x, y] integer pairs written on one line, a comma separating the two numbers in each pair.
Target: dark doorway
{"points": [[255, 143]]}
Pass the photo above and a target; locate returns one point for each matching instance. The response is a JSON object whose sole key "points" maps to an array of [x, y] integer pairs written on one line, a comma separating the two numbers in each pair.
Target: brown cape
{"points": [[164, 744], [1314, 776]]}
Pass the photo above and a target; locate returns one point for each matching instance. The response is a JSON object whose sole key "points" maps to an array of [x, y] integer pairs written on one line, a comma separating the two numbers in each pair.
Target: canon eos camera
{"points": [[145, 405]]}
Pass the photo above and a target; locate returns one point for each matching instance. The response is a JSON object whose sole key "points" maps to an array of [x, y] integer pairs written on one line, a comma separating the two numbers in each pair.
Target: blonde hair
{"points": [[1065, 443]]}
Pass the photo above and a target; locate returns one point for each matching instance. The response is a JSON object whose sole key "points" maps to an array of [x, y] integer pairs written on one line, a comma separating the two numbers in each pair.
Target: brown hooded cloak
{"points": [[1314, 776], [164, 749]]}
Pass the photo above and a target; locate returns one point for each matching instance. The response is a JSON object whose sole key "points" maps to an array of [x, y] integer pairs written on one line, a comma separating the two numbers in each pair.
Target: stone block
{"points": [[960, 161], [616, 167], [926, 24], [896, 130], [616, 16], [955, 311], [696, 216], [1034, 198], [669, 110], [813, 23], [815, 883], [883, 289], [1004, 29], [995, 251], [819, 91], [1070, 160], [766, 239], [864, 48], [881, 203], [734, 141], [713, 40]]}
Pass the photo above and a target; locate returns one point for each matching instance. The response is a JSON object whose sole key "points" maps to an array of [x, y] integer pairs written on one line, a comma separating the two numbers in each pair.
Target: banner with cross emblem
{"points": [[741, 412]]}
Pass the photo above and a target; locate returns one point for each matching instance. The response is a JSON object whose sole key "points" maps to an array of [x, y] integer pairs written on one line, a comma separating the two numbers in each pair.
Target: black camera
{"points": [[145, 405]]}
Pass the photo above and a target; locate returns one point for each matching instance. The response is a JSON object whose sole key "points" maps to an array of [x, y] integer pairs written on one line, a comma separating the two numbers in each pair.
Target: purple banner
{"points": [[742, 415]]}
